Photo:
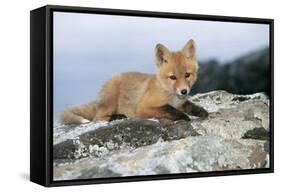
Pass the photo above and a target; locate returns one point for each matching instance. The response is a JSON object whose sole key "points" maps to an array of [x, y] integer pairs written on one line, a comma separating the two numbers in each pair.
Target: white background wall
{"points": [[14, 94]]}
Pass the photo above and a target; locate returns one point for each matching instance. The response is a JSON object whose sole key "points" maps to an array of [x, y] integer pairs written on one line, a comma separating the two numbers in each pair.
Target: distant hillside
{"points": [[245, 75]]}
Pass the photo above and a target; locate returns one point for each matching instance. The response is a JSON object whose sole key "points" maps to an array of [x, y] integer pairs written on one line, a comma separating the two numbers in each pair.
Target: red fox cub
{"points": [[140, 95]]}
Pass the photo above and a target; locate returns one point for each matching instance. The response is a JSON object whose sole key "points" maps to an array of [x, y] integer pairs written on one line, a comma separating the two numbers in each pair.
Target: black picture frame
{"points": [[41, 100]]}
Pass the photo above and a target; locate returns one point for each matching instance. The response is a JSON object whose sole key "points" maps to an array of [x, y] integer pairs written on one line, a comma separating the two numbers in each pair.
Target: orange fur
{"points": [[142, 95]]}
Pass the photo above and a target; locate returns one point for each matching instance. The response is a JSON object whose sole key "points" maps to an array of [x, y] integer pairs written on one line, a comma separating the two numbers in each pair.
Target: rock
{"points": [[249, 73], [130, 132], [193, 154], [230, 116], [257, 133], [234, 136]]}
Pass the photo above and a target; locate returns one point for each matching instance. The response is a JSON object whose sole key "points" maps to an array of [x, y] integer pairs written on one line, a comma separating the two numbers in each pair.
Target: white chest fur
{"points": [[177, 102]]}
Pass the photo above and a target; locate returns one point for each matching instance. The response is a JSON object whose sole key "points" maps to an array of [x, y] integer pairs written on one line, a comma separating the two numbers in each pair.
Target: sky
{"points": [[89, 48]]}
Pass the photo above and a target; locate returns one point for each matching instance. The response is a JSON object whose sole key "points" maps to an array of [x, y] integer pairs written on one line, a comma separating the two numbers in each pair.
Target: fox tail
{"points": [[79, 114]]}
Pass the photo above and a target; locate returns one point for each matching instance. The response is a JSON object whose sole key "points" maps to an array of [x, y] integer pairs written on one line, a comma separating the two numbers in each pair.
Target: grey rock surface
{"points": [[234, 136]]}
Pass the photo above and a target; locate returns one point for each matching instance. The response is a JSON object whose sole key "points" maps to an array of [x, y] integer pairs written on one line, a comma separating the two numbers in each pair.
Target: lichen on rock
{"points": [[235, 136]]}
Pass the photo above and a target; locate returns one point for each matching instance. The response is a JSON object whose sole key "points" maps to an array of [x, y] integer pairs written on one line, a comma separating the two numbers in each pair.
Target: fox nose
{"points": [[183, 91]]}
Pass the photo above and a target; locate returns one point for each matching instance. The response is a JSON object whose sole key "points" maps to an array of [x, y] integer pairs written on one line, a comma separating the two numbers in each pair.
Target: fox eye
{"points": [[187, 75], [173, 77]]}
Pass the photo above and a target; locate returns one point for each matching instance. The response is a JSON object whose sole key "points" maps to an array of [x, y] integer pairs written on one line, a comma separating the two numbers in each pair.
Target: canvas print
{"points": [[137, 96]]}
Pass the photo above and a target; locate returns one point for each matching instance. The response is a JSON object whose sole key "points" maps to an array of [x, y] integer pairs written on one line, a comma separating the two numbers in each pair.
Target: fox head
{"points": [[177, 71]]}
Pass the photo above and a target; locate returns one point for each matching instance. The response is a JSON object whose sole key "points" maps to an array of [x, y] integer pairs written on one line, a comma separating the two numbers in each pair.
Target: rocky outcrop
{"points": [[249, 73], [130, 132], [234, 136]]}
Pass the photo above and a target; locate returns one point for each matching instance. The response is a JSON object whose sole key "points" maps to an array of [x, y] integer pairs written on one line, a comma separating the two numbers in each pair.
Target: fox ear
{"points": [[189, 49], [161, 54]]}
